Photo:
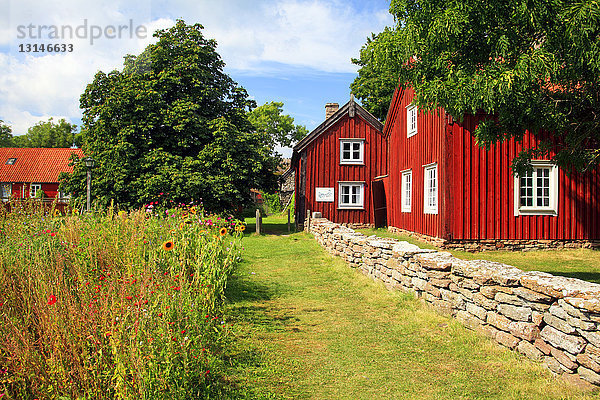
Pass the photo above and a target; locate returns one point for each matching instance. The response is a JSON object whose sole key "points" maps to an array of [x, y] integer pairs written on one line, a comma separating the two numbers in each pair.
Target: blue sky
{"points": [[294, 51]]}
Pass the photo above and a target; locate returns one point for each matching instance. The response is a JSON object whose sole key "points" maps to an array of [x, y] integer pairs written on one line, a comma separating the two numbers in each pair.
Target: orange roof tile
{"points": [[35, 164]]}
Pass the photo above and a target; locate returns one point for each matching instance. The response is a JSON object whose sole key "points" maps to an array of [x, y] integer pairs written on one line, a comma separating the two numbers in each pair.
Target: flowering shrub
{"points": [[112, 305]]}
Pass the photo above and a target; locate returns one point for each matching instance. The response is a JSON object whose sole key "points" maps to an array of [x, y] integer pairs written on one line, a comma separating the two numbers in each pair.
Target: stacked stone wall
{"points": [[547, 318], [497, 244]]}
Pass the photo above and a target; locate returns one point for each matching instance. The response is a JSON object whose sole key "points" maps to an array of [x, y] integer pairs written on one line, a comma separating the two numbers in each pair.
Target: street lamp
{"points": [[89, 163]]}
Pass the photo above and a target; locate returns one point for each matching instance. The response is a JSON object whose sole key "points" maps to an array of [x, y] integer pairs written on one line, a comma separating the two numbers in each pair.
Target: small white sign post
{"points": [[324, 194]]}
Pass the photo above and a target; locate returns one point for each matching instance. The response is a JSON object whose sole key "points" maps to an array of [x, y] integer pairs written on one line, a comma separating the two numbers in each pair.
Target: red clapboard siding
{"points": [[475, 185], [323, 169], [426, 147], [484, 200]]}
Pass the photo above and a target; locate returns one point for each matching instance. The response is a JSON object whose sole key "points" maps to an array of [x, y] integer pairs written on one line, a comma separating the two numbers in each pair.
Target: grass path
{"points": [[308, 327]]}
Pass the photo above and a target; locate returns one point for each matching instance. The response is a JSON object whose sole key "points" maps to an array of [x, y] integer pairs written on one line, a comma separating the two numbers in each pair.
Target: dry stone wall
{"points": [[499, 244], [547, 318]]}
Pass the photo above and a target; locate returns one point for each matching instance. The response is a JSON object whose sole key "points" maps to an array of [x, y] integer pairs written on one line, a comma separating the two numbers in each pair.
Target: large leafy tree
{"points": [[269, 118], [172, 123], [49, 134], [526, 64]]}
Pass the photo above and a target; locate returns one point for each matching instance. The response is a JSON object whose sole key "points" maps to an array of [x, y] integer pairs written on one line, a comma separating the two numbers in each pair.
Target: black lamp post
{"points": [[89, 163]]}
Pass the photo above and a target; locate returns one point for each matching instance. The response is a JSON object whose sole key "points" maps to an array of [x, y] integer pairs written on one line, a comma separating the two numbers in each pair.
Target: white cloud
{"points": [[254, 37], [318, 34]]}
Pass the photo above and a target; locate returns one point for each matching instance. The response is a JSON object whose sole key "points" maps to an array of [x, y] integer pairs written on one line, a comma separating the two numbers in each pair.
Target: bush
{"points": [[109, 305], [272, 202]]}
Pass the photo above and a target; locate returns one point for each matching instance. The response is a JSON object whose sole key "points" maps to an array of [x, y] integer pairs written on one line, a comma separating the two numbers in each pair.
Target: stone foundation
{"points": [[550, 319], [499, 244]]}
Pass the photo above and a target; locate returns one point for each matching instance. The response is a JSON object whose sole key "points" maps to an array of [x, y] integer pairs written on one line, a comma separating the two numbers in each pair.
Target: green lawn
{"points": [[577, 263], [306, 326]]}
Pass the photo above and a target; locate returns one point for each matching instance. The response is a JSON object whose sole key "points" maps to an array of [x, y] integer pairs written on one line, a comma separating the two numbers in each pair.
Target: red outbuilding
{"points": [[445, 188], [24, 172], [336, 167]]}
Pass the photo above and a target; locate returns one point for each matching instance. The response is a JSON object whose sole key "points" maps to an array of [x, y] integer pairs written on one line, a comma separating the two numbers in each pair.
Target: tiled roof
{"points": [[35, 165]]}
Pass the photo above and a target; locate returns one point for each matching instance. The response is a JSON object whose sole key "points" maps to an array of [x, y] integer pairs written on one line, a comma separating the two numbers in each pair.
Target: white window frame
{"points": [[431, 207], [351, 160], [552, 208], [33, 188], [411, 120], [8, 186], [406, 191], [351, 206]]}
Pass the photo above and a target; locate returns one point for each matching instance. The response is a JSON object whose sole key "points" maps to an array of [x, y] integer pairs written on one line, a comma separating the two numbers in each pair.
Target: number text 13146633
{"points": [[46, 48]]}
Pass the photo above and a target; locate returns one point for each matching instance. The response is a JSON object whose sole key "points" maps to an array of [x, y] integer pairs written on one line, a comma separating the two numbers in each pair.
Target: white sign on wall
{"points": [[325, 194]]}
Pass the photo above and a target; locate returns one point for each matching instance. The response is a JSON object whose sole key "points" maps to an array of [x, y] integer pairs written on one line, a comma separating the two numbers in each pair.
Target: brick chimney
{"points": [[330, 109]]}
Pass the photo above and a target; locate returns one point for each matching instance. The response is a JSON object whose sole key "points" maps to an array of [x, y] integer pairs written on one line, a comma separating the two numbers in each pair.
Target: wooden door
{"points": [[379, 204]]}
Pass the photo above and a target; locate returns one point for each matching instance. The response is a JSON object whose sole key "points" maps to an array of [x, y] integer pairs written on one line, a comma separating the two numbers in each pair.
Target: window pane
{"points": [[356, 146], [346, 155]]}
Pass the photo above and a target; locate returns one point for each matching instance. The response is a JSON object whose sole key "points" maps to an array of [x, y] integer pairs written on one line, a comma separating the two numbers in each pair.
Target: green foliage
{"points": [[377, 78], [273, 203], [269, 118], [102, 306], [49, 134], [172, 121], [6, 136], [527, 65]]}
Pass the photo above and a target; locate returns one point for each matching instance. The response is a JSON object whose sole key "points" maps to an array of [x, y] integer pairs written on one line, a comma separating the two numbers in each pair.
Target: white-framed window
{"points": [[351, 151], [430, 205], [33, 189], [351, 195], [406, 194], [536, 192], [411, 120], [5, 191]]}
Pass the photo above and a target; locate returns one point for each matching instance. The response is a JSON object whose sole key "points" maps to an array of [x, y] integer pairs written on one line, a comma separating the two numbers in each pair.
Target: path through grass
{"points": [[309, 327]]}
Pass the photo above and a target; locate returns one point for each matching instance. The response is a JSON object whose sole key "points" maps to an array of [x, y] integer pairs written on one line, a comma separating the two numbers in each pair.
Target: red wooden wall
{"points": [[426, 147], [476, 186], [51, 189], [323, 168], [481, 191]]}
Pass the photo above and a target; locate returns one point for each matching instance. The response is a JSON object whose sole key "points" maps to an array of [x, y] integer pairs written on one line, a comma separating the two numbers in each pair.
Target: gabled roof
{"points": [[35, 164], [286, 174], [351, 108]]}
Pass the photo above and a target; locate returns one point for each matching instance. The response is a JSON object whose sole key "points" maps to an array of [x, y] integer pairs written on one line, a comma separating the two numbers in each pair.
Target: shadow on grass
{"points": [[277, 229]]}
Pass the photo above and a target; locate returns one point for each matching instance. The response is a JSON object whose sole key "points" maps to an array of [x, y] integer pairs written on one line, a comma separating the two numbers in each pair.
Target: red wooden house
{"points": [[444, 187], [24, 172], [336, 166]]}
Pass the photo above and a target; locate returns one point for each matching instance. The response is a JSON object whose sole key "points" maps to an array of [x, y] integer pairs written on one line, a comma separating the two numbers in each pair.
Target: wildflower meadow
{"points": [[113, 304]]}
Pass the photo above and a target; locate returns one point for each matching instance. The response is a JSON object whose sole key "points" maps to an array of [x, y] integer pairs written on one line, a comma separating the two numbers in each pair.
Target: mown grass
{"points": [[309, 327], [575, 263]]}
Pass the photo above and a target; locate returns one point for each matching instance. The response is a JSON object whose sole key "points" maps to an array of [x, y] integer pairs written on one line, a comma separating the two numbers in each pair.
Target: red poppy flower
{"points": [[128, 297], [51, 299], [53, 234]]}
